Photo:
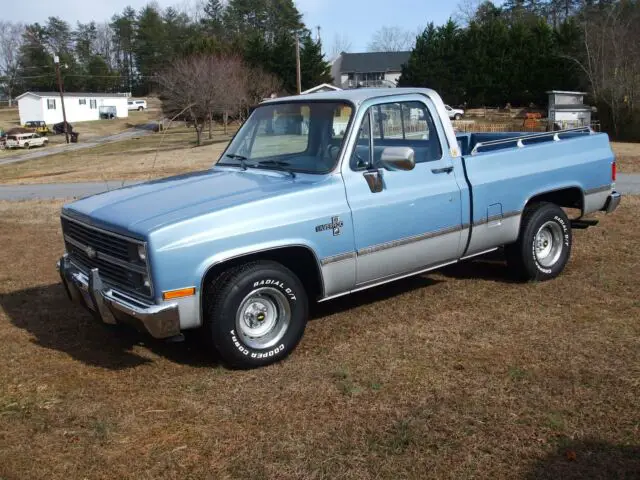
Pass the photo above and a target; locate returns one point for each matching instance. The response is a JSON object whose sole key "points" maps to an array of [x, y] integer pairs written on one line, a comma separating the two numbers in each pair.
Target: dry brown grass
{"points": [[627, 156], [151, 156], [455, 374]]}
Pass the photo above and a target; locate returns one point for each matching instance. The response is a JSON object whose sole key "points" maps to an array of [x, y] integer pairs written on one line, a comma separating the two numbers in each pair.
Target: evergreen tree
{"points": [[213, 20], [151, 48], [124, 27], [314, 69]]}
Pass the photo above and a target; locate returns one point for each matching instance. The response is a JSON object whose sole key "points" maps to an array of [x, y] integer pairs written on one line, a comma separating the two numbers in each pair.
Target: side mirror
{"points": [[398, 158]]}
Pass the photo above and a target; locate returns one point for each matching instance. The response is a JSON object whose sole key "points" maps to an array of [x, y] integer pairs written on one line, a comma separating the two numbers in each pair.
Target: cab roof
{"points": [[355, 96]]}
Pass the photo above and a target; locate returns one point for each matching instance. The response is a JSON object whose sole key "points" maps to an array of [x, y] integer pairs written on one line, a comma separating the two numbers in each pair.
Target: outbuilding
{"points": [[567, 109], [79, 107]]}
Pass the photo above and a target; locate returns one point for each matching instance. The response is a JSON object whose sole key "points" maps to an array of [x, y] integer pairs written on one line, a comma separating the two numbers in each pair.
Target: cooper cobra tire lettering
{"points": [[225, 295]]}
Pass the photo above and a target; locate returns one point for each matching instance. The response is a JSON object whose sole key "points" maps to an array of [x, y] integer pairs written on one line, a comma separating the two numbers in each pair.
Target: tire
{"points": [[45, 143], [275, 315], [140, 109], [26, 145], [457, 117], [544, 244]]}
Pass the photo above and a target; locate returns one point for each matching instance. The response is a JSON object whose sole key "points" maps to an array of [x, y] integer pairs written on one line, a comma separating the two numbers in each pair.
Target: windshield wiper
{"points": [[241, 158], [278, 165]]}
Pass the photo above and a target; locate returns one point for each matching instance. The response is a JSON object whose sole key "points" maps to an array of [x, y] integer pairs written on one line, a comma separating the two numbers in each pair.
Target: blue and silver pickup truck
{"points": [[319, 196]]}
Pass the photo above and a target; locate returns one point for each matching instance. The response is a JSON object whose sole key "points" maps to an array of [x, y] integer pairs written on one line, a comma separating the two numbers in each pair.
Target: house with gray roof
{"points": [[370, 69]]}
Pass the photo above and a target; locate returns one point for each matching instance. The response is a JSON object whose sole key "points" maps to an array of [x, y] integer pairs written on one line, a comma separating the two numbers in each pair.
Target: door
{"points": [[404, 221]]}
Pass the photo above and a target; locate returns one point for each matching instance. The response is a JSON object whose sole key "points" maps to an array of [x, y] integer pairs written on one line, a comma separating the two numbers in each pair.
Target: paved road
{"points": [[627, 184], [54, 150]]}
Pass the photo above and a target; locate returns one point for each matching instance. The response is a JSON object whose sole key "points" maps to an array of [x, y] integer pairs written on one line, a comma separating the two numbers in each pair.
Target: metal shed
{"points": [[567, 109]]}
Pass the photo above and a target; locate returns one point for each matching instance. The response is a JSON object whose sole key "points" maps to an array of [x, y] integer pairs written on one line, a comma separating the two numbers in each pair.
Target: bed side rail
{"points": [[521, 140]]}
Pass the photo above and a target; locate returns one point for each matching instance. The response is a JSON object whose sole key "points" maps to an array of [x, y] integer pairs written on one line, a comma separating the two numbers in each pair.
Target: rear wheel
{"points": [[140, 109], [26, 145], [458, 117], [544, 245], [255, 314]]}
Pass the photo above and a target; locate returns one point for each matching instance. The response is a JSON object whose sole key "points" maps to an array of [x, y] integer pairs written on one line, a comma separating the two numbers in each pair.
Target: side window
{"points": [[93, 104], [51, 103], [403, 124], [391, 120], [82, 101]]}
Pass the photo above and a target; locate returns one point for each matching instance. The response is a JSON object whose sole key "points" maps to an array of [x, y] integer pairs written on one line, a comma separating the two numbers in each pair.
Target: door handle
{"points": [[442, 170]]}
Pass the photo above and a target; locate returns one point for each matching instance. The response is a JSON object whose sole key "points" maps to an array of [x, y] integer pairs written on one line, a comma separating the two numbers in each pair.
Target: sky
{"points": [[357, 20]]}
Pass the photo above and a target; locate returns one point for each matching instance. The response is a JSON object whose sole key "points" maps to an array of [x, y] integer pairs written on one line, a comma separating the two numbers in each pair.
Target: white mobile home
{"points": [[79, 107]]}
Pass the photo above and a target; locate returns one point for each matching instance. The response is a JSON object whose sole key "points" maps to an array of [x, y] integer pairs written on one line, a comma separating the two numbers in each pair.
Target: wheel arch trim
{"points": [[222, 259]]}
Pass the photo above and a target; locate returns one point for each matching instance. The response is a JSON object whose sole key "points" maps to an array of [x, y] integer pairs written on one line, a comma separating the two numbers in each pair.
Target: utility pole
{"points": [[56, 60], [319, 39], [298, 73]]}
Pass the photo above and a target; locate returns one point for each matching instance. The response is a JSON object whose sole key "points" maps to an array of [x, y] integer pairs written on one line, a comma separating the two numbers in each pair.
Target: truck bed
{"points": [[505, 171]]}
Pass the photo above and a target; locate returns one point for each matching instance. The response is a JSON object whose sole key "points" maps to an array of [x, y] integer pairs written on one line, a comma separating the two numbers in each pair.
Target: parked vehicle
{"points": [[454, 113], [38, 126], [26, 140], [58, 128], [137, 105], [292, 215]]}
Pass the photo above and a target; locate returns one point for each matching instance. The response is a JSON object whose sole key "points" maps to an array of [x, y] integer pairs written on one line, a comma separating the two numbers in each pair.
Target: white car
{"points": [[454, 113], [137, 105], [26, 140]]}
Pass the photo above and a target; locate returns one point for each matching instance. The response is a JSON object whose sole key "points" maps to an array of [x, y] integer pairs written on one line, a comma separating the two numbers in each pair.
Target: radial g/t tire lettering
{"points": [[544, 244]]}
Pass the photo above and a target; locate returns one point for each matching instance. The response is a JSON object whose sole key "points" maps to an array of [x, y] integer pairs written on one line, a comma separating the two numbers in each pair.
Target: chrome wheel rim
{"points": [[263, 318], [548, 244]]}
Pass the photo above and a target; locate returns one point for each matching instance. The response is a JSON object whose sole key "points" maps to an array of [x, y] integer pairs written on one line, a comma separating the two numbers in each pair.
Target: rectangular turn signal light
{"points": [[180, 293]]}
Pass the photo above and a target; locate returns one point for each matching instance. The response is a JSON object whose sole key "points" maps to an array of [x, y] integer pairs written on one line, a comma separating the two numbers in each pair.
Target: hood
{"points": [[144, 207]]}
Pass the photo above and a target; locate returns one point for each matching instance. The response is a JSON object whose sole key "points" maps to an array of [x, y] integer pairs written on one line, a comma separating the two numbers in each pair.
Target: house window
{"points": [[82, 101], [51, 103], [93, 104]]}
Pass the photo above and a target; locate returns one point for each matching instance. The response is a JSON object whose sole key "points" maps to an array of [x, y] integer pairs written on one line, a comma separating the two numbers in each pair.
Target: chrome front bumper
{"points": [[112, 306], [613, 201]]}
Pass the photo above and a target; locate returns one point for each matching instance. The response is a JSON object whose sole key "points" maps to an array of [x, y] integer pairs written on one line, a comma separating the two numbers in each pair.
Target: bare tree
{"points": [[103, 43], [195, 88], [466, 11], [10, 42], [341, 43], [611, 62], [391, 39]]}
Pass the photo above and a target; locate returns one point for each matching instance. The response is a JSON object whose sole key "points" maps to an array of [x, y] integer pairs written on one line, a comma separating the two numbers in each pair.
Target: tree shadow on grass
{"points": [[56, 323], [589, 459]]}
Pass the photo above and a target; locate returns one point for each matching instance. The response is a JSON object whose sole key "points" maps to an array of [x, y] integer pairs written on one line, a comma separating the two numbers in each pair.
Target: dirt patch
{"points": [[456, 374], [627, 156]]}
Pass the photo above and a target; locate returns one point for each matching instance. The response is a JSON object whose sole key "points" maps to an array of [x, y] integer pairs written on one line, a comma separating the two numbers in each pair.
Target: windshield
{"points": [[303, 137]]}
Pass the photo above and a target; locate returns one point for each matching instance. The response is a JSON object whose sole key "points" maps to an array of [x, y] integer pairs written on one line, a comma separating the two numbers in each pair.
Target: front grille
{"points": [[116, 257]]}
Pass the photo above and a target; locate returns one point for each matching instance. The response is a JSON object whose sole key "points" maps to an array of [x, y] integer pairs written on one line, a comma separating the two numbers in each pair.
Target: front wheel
{"points": [[255, 314], [544, 244], [457, 117]]}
